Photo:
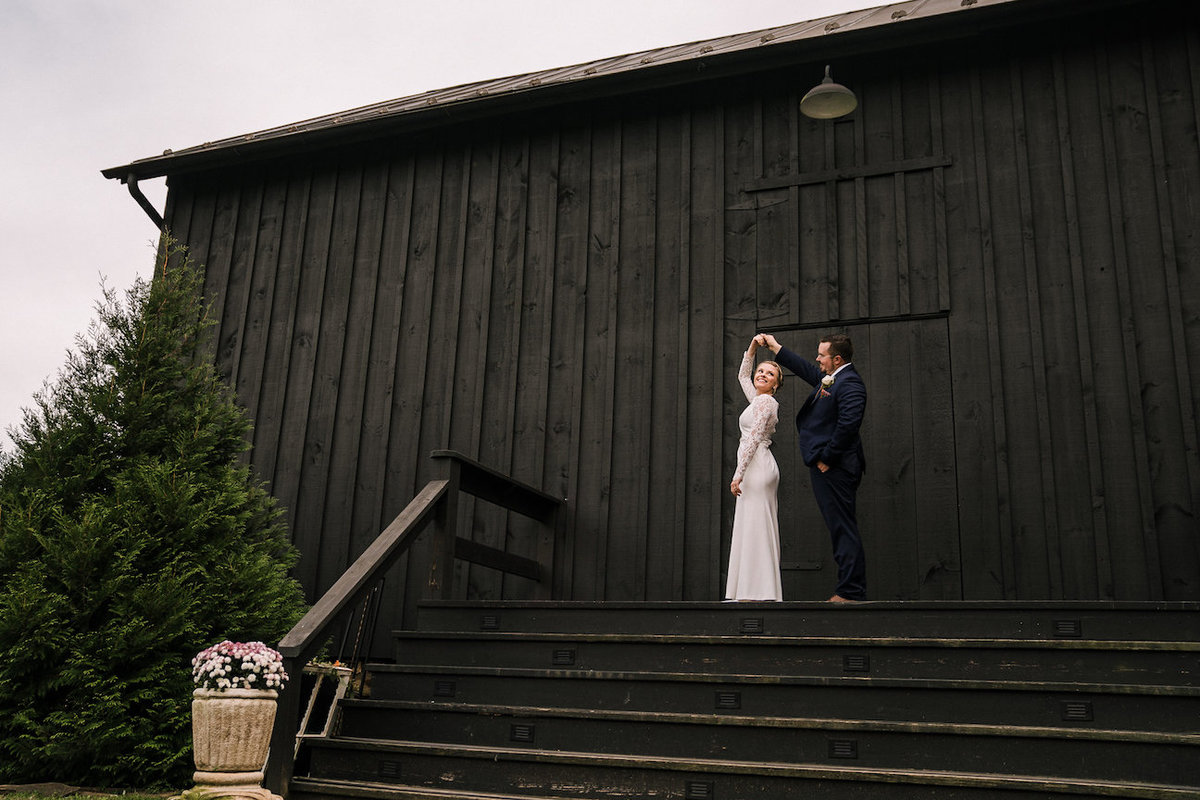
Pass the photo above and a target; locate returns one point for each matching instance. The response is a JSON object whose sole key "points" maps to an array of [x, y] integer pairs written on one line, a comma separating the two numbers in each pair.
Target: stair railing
{"points": [[437, 502]]}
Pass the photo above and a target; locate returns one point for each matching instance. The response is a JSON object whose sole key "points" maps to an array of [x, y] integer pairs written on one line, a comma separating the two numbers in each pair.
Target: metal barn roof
{"points": [[549, 85]]}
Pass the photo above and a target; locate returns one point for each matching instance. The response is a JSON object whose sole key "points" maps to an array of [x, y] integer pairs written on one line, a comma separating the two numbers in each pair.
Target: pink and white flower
{"points": [[238, 665]]}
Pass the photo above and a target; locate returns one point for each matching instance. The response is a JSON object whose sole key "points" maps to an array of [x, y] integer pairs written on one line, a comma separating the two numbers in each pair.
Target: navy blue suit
{"points": [[828, 424]]}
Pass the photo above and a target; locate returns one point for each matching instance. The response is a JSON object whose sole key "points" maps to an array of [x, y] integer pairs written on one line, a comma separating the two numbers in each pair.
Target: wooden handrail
{"points": [[438, 500], [300, 641], [496, 487], [306, 637], [467, 475]]}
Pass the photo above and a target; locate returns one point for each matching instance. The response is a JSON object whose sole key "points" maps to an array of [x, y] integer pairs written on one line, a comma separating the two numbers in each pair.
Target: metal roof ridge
{"points": [[854, 20]]}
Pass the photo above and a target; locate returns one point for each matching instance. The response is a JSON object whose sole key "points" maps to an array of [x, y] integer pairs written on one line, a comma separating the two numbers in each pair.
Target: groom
{"points": [[828, 425]]}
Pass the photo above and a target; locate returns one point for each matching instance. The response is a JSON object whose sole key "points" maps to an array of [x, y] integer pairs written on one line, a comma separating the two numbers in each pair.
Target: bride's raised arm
{"points": [[747, 367]]}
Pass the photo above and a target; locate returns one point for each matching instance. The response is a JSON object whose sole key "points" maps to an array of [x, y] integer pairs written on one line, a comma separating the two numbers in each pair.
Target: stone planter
{"points": [[231, 734]]}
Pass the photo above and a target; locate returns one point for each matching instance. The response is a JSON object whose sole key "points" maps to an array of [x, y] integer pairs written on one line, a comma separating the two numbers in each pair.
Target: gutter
{"points": [[131, 180]]}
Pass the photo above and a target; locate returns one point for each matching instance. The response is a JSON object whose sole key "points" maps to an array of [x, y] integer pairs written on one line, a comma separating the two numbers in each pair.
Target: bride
{"points": [[754, 553]]}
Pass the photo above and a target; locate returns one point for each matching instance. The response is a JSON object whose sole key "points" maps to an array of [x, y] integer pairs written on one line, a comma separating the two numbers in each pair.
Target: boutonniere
{"points": [[826, 382]]}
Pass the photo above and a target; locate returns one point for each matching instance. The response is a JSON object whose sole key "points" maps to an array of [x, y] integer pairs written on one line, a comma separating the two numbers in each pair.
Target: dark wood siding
{"points": [[1007, 231]]}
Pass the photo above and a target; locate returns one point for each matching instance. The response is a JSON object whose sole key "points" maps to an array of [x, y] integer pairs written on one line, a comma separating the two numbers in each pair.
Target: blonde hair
{"points": [[778, 373]]}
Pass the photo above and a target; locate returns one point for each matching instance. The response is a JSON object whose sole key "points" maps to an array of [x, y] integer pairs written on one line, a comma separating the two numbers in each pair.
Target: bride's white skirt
{"points": [[754, 552]]}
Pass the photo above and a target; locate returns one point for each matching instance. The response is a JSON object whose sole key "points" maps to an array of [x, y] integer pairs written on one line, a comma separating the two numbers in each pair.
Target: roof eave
{"points": [[842, 44]]}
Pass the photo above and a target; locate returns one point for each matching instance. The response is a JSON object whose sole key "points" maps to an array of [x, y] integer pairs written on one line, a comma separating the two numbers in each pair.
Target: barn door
{"points": [[907, 503]]}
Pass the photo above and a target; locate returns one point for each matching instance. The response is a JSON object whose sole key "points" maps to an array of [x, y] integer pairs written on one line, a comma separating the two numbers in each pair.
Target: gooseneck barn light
{"points": [[828, 100]]}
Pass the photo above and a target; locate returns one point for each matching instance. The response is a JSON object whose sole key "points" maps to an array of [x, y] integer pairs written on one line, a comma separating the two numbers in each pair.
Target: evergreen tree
{"points": [[131, 537]]}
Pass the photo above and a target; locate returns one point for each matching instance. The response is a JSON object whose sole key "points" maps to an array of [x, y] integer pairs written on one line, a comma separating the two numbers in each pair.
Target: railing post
{"points": [[548, 543], [306, 636], [441, 557], [280, 757]]}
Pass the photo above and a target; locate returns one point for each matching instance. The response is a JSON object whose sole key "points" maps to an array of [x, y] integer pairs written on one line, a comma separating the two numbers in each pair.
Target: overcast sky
{"points": [[90, 84]]}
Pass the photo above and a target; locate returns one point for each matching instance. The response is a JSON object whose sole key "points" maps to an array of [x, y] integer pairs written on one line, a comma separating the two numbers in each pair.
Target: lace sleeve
{"points": [[744, 378], [765, 409]]}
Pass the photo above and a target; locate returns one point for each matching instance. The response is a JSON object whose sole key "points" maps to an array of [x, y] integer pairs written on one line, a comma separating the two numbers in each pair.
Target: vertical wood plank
{"points": [[633, 323], [200, 228], [793, 266], [682, 411], [438, 407], [609, 256], [305, 344], [888, 523], [860, 303], [900, 193], [479, 258], [240, 277], [564, 469], [1005, 564], [1037, 402], [503, 344], [181, 200], [530, 433], [740, 294], [480, 253], [316, 486], [405, 459], [775, 145], [1176, 512], [361, 261], [702, 521], [1121, 506], [717, 350], [667, 412], [1087, 378], [832, 254], [269, 423], [941, 239], [265, 270], [595, 465], [376, 501], [439, 398], [1142, 482], [216, 258], [935, 484]]}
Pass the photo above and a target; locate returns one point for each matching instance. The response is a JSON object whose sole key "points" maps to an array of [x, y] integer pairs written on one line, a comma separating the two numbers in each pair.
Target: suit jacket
{"points": [[829, 421]]}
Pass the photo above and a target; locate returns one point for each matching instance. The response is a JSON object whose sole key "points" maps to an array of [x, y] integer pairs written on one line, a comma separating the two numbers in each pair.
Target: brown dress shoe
{"points": [[837, 598]]}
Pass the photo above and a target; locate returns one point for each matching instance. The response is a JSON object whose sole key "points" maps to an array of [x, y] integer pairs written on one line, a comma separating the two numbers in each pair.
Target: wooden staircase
{"points": [[741, 701]]}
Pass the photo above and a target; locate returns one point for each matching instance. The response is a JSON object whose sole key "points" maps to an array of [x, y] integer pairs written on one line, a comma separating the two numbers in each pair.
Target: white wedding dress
{"points": [[754, 552]]}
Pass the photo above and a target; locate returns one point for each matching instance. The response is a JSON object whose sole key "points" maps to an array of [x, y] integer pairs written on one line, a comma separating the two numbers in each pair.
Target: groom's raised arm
{"points": [[792, 362]]}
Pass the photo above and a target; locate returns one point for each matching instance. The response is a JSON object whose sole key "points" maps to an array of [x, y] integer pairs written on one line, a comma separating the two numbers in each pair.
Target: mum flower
{"points": [[238, 665]]}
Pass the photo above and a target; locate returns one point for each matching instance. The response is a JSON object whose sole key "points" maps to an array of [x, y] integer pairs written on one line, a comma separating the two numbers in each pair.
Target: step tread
{"points": [[400, 791], [812, 641], [918, 605], [815, 723], [775, 769], [800, 680]]}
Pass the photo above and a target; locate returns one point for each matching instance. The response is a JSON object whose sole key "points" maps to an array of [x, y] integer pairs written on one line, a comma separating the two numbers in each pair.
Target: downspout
{"points": [[132, 182]]}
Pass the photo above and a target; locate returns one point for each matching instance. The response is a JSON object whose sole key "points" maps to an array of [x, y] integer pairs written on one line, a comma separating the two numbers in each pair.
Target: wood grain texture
{"points": [[565, 294]]}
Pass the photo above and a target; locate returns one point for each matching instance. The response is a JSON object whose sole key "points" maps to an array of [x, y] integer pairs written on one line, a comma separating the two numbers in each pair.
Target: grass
{"points": [[10, 794], [63, 792]]}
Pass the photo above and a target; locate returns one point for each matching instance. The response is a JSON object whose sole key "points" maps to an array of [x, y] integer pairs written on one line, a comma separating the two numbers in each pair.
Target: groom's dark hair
{"points": [[840, 345]]}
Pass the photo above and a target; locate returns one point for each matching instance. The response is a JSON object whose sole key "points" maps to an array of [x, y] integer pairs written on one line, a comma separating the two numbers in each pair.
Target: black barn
{"points": [[556, 274]]}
